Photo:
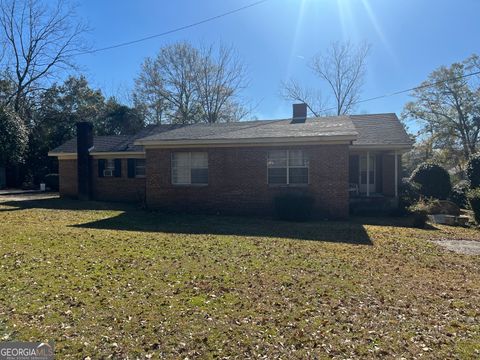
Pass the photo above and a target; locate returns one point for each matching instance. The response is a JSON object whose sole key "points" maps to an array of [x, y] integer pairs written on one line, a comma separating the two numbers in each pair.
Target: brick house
{"points": [[240, 167]]}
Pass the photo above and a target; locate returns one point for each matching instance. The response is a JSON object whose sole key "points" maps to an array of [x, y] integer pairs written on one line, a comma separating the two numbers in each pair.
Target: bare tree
{"points": [[186, 85], [342, 68], [292, 90], [221, 77], [40, 40], [149, 89], [169, 80]]}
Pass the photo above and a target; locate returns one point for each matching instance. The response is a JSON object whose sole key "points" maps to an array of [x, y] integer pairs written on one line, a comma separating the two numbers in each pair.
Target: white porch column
{"points": [[368, 173], [396, 174]]}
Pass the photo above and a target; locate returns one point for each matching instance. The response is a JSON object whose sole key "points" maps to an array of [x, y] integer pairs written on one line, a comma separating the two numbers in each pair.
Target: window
{"points": [[190, 168], [287, 167], [136, 168], [139, 167], [109, 168]]}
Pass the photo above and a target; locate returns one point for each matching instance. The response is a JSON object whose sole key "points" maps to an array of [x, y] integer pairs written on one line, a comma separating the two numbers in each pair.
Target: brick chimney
{"points": [[84, 144], [299, 113]]}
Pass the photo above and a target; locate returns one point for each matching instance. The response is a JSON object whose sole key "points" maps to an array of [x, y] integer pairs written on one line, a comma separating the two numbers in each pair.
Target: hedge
{"points": [[433, 181], [293, 206]]}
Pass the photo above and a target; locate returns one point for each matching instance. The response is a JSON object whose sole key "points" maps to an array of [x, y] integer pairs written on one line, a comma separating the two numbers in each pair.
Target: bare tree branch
{"points": [[342, 67], [40, 40], [187, 85], [221, 77], [292, 90]]}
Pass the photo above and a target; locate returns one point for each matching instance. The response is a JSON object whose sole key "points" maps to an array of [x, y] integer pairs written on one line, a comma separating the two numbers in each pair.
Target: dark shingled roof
{"points": [[380, 129], [115, 143], [148, 131], [376, 129], [100, 144], [261, 129]]}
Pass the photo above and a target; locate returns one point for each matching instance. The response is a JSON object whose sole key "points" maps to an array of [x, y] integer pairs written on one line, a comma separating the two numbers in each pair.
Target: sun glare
{"points": [[378, 29], [347, 17]]}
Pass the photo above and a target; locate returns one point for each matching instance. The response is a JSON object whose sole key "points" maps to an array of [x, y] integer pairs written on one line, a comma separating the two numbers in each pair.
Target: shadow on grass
{"points": [[403, 221], [132, 218], [55, 203]]}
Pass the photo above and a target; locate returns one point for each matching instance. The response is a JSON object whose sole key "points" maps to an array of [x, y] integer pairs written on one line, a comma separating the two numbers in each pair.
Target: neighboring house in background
{"points": [[240, 167]]}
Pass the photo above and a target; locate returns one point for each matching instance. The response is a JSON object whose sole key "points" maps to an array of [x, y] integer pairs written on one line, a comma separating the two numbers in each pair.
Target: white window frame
{"points": [[144, 168], [189, 167], [369, 160], [288, 166], [109, 170]]}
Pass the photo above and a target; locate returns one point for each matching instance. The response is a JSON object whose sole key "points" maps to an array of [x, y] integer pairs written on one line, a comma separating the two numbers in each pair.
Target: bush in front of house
{"points": [[433, 181], [419, 214], [445, 207], [52, 182], [459, 194], [474, 200], [407, 194], [473, 171], [294, 206]]}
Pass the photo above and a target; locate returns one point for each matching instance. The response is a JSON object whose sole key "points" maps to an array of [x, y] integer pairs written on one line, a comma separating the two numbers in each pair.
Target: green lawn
{"points": [[102, 280]]}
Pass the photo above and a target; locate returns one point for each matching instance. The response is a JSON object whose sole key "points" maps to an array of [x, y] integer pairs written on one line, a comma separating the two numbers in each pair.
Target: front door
{"points": [[363, 174]]}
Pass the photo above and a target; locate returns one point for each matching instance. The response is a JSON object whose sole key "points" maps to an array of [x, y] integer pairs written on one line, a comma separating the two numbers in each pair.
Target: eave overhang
{"points": [[274, 141]]}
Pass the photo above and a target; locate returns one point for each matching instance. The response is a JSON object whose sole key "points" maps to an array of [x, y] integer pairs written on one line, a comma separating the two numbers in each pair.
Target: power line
{"points": [[127, 43], [409, 90]]}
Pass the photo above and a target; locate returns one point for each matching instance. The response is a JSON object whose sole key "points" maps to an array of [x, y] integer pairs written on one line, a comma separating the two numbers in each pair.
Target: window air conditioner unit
{"points": [[107, 173]]}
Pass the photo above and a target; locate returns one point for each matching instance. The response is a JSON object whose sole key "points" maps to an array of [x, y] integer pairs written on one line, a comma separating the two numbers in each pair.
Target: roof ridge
{"points": [[108, 136], [374, 114]]}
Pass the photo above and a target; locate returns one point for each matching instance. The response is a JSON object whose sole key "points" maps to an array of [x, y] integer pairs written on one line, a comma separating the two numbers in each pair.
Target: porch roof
{"points": [[380, 131]]}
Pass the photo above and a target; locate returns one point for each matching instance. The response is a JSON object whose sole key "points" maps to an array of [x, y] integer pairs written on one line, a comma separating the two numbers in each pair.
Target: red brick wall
{"points": [[107, 188], [238, 181], [67, 172], [117, 188]]}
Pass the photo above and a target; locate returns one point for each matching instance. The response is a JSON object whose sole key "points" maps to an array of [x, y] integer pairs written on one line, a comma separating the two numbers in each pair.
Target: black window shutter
{"points": [[101, 167], [118, 167], [131, 168]]}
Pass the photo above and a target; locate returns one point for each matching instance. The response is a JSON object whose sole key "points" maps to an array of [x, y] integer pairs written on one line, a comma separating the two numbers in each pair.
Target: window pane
{"points": [[199, 160], [181, 175], [110, 164], [299, 175], [181, 168], [199, 176], [297, 158], [363, 177], [139, 167], [277, 158], [181, 159], [190, 168], [277, 175], [363, 163]]}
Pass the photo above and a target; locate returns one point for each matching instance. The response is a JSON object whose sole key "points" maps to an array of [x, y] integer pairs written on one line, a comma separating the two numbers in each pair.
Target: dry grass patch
{"points": [[103, 281]]}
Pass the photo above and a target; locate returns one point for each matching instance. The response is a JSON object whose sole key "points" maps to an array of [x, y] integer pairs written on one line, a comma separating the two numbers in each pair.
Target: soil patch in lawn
{"points": [[5, 197], [468, 247]]}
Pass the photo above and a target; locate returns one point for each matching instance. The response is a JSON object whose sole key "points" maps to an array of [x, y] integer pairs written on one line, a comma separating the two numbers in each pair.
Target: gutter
{"points": [[73, 155], [247, 142], [400, 147]]}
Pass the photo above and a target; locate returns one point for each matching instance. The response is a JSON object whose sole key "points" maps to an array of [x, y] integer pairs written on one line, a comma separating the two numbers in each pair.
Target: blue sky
{"points": [[409, 39]]}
